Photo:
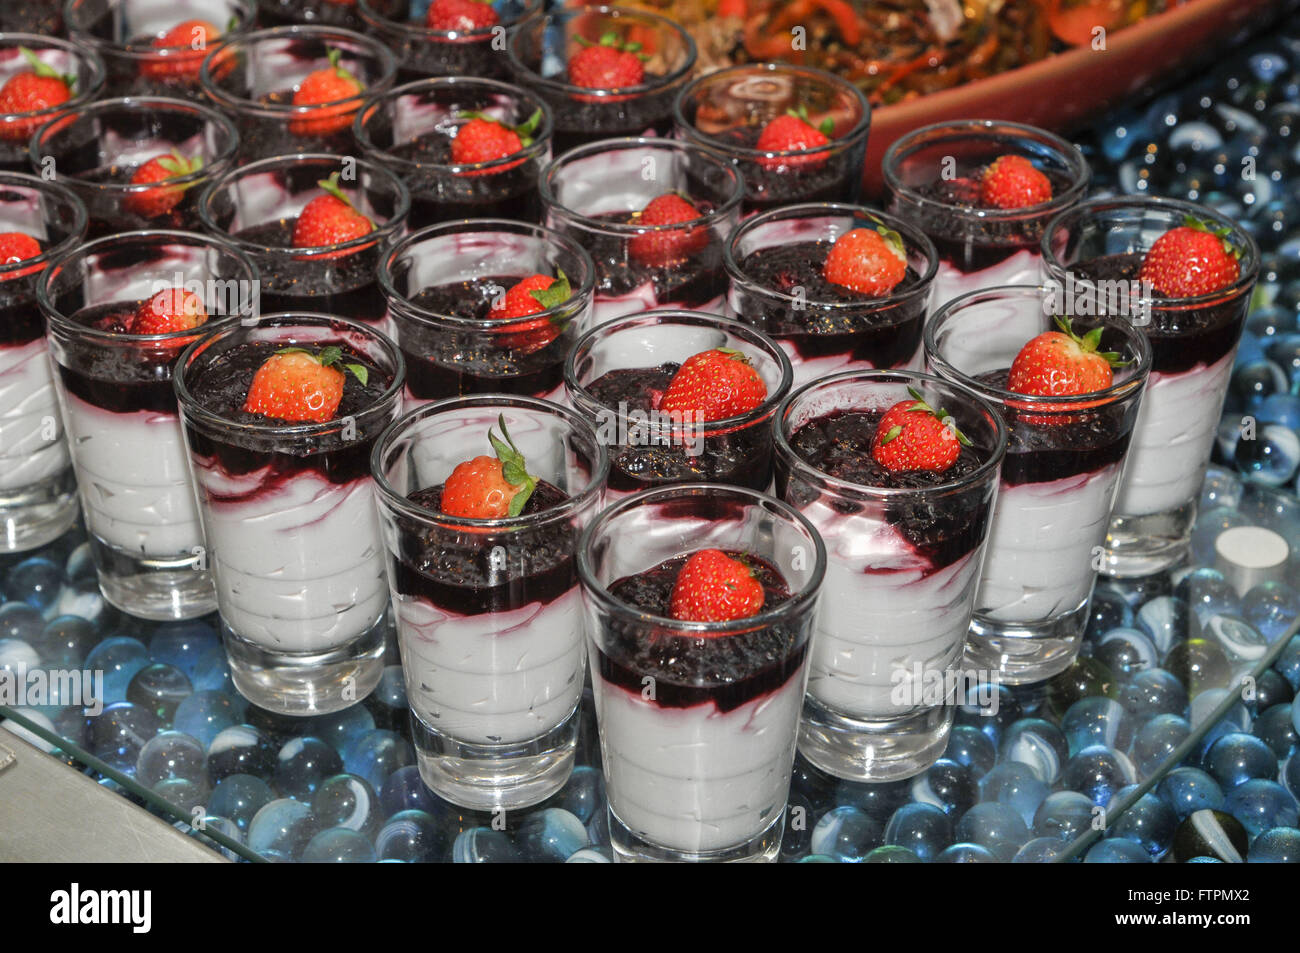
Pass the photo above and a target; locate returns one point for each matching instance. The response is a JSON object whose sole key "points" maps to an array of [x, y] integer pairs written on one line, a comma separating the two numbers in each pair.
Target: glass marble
{"points": [[1149, 822], [1200, 664], [1040, 850], [1276, 728], [377, 754], [17, 656], [598, 827], [1261, 804], [879, 799], [591, 855], [1237, 638], [65, 641], [1108, 610], [1210, 833], [1097, 772], [1273, 456], [283, 826], [405, 790], [1281, 845], [1156, 740], [171, 754], [187, 797], [1038, 744], [413, 837], [1270, 607], [997, 827], [1268, 689], [160, 688], [346, 800], [387, 703], [205, 714], [1238, 757], [1065, 815], [212, 671], [1206, 593], [1014, 785], [947, 785], [970, 746], [888, 854], [1097, 721], [119, 658], [340, 727], [1287, 663], [212, 824], [550, 835], [35, 581], [84, 600], [989, 718], [339, 845], [1153, 692], [483, 845], [1188, 789], [1126, 650], [183, 644], [239, 797], [966, 854], [797, 827], [1164, 620], [117, 735], [1116, 851], [301, 766], [582, 794], [240, 749], [922, 828], [1084, 678]]}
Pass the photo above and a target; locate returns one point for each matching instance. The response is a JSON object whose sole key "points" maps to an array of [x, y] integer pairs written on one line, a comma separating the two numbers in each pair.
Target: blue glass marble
{"points": [[1097, 721], [1199, 664], [405, 790], [1014, 785], [1281, 845], [1210, 833], [991, 716], [947, 785], [887, 854], [283, 826], [1272, 457], [18, 657], [973, 748], [1238, 757], [1116, 851], [119, 732], [212, 671], [240, 749], [922, 828], [1206, 593], [185, 796], [582, 794], [1149, 822], [1040, 850], [1236, 638], [1282, 409], [1125, 651], [1287, 664], [591, 855], [220, 825], [1275, 727], [1097, 772], [119, 658], [1270, 607], [183, 644], [1261, 804], [170, 754], [1038, 744], [1164, 619], [205, 714], [598, 827], [482, 845], [413, 837], [339, 728], [847, 834], [1268, 690], [1065, 815], [1219, 489], [550, 835], [239, 797], [1235, 719], [83, 599], [159, 688], [966, 854], [879, 799], [301, 766], [1156, 740], [387, 702], [997, 827], [1107, 610], [377, 754], [1153, 692], [65, 641], [35, 581], [1188, 790], [348, 801], [339, 845]]}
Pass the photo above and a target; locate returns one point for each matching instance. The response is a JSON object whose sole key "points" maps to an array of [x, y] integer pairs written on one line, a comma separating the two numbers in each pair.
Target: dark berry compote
{"points": [[439, 194]]}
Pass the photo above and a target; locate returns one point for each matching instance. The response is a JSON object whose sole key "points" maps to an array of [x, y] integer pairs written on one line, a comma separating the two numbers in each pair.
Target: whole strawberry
{"points": [[460, 16], [156, 202], [32, 91], [188, 43], [299, 386], [715, 587], [607, 64], [484, 139], [1013, 182], [1062, 364], [867, 260], [913, 436], [714, 385], [1193, 260], [172, 309], [16, 247], [486, 488], [667, 246], [319, 89], [532, 295], [330, 219], [793, 132]]}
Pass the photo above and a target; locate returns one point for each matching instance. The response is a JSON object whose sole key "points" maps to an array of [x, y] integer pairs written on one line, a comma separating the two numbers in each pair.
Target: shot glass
{"points": [[618, 371], [424, 51], [253, 79], [596, 195], [1058, 481], [151, 48], [774, 262], [1094, 252], [288, 510], [38, 495], [443, 285], [115, 390], [487, 610], [932, 180], [541, 48], [410, 130], [99, 149], [726, 110], [81, 68], [698, 720], [903, 567], [256, 206]]}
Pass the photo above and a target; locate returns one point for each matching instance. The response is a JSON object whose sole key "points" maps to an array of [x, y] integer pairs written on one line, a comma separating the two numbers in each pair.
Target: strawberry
{"points": [[793, 132], [870, 261], [732, 8], [296, 385], [532, 295], [489, 488], [665, 246], [912, 435], [714, 385], [1013, 182], [714, 587], [320, 88], [152, 203], [1193, 260], [172, 309], [460, 16], [484, 139], [35, 90], [608, 64], [190, 40], [16, 247], [1062, 364], [330, 219]]}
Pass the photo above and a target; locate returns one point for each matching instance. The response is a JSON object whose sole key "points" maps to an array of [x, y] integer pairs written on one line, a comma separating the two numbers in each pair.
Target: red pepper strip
{"points": [[904, 70], [845, 17]]}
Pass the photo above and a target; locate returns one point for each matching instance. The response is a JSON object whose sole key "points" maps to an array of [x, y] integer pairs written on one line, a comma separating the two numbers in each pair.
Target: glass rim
{"points": [[913, 237], [86, 53], [860, 128], [724, 208], [781, 439], [376, 19], [388, 495], [809, 593], [379, 235], [563, 14], [1100, 206], [541, 139], [1038, 404], [128, 104], [964, 128], [35, 265], [746, 332], [286, 319], [408, 309], [66, 324], [247, 16]]}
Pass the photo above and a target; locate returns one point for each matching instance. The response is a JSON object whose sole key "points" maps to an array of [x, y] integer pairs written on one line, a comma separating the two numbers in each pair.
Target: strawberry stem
{"points": [[332, 187], [921, 406], [514, 470], [335, 57], [45, 70], [1221, 232], [329, 356], [1089, 342], [554, 294]]}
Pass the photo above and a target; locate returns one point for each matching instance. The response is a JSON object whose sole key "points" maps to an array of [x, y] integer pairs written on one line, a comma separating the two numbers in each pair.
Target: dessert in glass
{"points": [[898, 471], [139, 162], [121, 310], [654, 214], [984, 192], [446, 37], [33, 16], [315, 225], [700, 603], [485, 306], [797, 134], [39, 221], [840, 287], [466, 148], [296, 88], [153, 48], [41, 78], [1186, 274], [679, 397], [280, 416], [606, 72], [1068, 387], [337, 13], [482, 500]]}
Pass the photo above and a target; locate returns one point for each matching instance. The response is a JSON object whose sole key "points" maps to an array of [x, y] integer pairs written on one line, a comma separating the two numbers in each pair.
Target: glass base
{"points": [[488, 777], [161, 590], [32, 516], [302, 683], [875, 750], [1017, 653], [628, 848], [1145, 545]]}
